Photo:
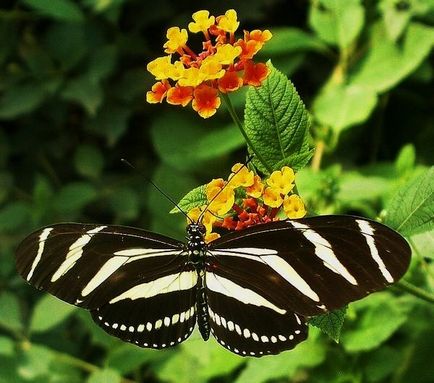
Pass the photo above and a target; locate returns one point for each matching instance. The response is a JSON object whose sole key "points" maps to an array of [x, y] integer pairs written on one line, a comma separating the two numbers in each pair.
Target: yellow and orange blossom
{"points": [[246, 200], [225, 64]]}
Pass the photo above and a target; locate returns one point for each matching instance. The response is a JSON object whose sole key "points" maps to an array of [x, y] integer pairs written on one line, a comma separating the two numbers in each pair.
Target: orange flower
{"points": [[206, 100], [257, 35], [230, 82], [157, 93], [254, 74], [180, 95], [216, 67]]}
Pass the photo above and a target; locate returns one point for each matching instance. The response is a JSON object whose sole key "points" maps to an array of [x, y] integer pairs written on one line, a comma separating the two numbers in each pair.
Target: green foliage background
{"points": [[72, 83]]}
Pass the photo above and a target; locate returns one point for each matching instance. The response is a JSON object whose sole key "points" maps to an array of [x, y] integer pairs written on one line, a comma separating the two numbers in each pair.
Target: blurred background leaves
{"points": [[72, 83]]}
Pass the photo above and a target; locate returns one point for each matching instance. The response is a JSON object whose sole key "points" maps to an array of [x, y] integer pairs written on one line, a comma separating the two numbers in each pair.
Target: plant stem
{"points": [[240, 126], [81, 364], [416, 291], [317, 157]]}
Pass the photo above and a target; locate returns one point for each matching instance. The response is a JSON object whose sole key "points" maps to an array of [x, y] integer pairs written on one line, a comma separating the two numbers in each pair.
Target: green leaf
{"points": [[296, 161], [162, 221], [337, 22], [74, 45], [378, 317], [194, 198], [11, 316], [406, 159], [125, 203], [35, 361], [64, 10], [7, 346], [111, 122], [411, 210], [357, 186], [330, 323], [387, 63], [13, 216], [102, 63], [382, 363], [217, 142], [104, 376], [198, 361], [88, 161], [276, 121], [288, 40], [74, 196], [182, 141], [342, 106], [395, 18], [126, 358], [48, 313], [308, 354], [86, 92], [423, 244], [21, 99]]}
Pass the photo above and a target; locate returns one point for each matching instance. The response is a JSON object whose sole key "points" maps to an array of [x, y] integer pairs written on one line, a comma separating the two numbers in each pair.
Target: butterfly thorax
{"points": [[196, 245], [197, 249]]}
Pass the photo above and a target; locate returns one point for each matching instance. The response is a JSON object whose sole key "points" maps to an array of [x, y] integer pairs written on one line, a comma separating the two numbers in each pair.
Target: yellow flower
{"points": [[221, 195], [229, 22], [211, 69], [227, 53], [191, 77], [294, 206], [256, 189], [215, 183], [202, 21], [177, 38], [272, 197], [282, 180], [243, 177], [194, 214], [175, 71], [211, 237], [160, 68]]}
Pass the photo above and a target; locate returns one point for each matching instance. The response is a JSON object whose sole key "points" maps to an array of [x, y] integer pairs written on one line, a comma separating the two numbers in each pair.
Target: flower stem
{"points": [[240, 126], [416, 291], [317, 157]]}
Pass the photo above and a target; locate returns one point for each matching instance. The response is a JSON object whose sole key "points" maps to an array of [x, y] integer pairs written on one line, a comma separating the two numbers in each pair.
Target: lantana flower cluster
{"points": [[225, 63], [246, 200]]}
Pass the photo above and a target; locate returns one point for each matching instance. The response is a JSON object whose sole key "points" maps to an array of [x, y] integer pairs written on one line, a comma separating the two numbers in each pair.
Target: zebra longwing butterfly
{"points": [[252, 289]]}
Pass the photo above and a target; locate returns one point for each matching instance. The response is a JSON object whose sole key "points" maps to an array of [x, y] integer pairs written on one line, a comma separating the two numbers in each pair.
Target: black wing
{"points": [[137, 284], [267, 278]]}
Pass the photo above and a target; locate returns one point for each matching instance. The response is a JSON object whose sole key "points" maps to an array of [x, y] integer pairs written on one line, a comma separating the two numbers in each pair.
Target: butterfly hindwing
{"points": [[249, 324], [156, 321], [314, 264]]}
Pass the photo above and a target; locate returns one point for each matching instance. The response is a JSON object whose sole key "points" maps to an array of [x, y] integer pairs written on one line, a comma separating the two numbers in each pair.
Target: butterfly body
{"points": [[252, 289]]}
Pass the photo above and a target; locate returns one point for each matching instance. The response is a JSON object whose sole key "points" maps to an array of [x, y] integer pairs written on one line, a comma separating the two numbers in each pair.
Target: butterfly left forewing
{"points": [[137, 284], [87, 264]]}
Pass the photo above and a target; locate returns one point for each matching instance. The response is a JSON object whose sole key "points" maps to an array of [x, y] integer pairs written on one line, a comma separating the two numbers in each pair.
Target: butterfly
{"points": [[253, 290]]}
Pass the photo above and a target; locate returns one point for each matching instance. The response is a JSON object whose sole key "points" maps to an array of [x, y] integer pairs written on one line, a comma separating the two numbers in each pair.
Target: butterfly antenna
{"points": [[249, 158], [168, 197]]}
